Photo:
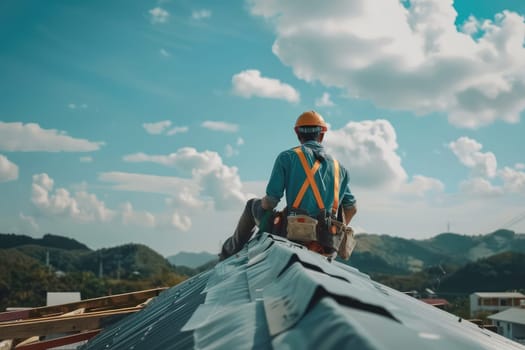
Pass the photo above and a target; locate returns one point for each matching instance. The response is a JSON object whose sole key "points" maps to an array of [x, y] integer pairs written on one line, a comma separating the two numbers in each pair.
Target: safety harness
{"points": [[310, 182], [307, 230]]}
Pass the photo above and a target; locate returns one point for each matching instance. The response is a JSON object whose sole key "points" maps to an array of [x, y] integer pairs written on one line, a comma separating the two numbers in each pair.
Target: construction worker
{"points": [[317, 192]]}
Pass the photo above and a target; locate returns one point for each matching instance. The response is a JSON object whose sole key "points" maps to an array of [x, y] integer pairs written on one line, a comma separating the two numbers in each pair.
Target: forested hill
{"points": [[385, 254], [11, 240]]}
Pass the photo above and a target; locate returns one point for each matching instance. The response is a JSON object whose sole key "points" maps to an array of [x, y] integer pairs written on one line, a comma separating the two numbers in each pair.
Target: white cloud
{"points": [[409, 57], [167, 185], [75, 106], [8, 169], [324, 101], [480, 187], [519, 166], [368, 150], [81, 206], [182, 222], [421, 185], [159, 15], [164, 127], [164, 53], [87, 208], [29, 221], [177, 130], [209, 177], [131, 217], [468, 152], [31, 137], [220, 126], [240, 142], [513, 180], [250, 83], [87, 159], [229, 151], [156, 128], [201, 14]]}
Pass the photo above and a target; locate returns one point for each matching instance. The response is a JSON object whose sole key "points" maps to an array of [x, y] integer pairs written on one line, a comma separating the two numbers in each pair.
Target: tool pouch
{"points": [[301, 228], [330, 233], [348, 243]]}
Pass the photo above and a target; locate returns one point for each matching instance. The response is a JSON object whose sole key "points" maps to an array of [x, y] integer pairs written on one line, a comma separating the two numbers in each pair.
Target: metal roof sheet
{"points": [[275, 294]]}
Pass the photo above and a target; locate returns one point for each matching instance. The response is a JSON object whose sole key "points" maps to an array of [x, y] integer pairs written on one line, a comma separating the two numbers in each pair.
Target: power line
{"points": [[515, 220]]}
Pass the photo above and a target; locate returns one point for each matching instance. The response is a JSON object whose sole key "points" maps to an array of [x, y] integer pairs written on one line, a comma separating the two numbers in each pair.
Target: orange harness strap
{"points": [[335, 206], [309, 181]]}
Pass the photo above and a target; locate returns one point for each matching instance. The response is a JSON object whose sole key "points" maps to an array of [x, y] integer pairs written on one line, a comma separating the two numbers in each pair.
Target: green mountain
{"points": [[11, 240], [192, 260], [383, 254], [25, 277], [500, 272], [125, 261]]}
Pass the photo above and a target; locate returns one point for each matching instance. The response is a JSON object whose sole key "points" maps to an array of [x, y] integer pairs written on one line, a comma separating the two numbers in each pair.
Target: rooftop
{"points": [[512, 315], [276, 294], [499, 295]]}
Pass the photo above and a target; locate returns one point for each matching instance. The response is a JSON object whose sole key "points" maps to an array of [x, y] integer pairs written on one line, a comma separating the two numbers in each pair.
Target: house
{"points": [[437, 302], [494, 302], [511, 323]]}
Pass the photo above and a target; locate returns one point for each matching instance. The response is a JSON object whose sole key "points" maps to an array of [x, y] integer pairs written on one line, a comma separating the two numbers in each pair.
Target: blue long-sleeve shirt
{"points": [[288, 176]]}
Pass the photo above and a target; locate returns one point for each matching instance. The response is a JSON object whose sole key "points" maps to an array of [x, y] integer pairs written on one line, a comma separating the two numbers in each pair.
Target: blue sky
{"points": [[153, 121]]}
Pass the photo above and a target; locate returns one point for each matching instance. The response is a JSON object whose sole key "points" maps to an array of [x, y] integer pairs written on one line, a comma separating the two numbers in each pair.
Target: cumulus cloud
{"points": [[206, 174], [408, 56], [513, 180], [32, 138], [369, 150], [250, 83], [159, 15], [87, 159], [324, 101], [421, 185], [132, 217], [8, 169], [220, 126], [82, 206], [201, 14], [182, 222], [478, 186], [468, 152]]}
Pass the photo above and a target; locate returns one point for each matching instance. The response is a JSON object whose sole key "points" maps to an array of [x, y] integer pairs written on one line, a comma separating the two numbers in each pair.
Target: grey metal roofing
{"points": [[499, 294], [512, 315], [276, 294]]}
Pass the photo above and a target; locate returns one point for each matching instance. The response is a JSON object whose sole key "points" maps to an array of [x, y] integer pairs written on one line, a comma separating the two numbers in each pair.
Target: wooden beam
{"points": [[60, 324], [51, 343], [107, 302]]}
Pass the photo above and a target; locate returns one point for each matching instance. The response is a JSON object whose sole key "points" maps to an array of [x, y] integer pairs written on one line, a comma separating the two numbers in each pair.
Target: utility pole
{"points": [[100, 268]]}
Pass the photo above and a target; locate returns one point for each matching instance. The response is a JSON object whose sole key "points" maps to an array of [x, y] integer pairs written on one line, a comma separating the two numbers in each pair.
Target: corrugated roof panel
{"points": [[158, 326], [275, 294]]}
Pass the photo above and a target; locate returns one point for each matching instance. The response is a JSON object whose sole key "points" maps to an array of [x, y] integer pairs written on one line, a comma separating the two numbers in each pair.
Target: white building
{"points": [[511, 323], [494, 302]]}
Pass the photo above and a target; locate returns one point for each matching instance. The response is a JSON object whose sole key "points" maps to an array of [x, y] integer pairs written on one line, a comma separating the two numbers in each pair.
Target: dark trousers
{"points": [[243, 231]]}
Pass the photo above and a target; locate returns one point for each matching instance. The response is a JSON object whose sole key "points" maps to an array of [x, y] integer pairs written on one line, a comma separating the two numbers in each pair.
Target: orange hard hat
{"points": [[311, 119]]}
